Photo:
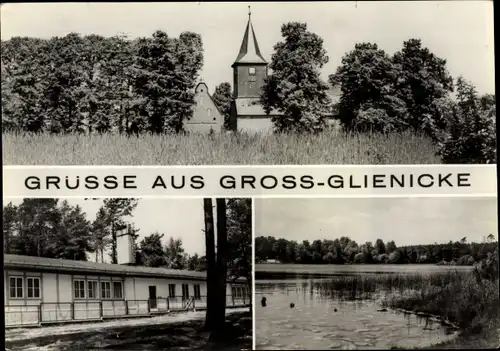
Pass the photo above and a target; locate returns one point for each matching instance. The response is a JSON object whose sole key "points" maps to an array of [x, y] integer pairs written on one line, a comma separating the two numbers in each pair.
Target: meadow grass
{"points": [[460, 297], [329, 147]]}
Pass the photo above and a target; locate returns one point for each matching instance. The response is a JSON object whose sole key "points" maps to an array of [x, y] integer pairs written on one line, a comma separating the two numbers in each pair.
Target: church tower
{"points": [[249, 68]]}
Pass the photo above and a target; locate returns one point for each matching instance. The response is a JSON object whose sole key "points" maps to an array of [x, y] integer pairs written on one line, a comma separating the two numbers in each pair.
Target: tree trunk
{"points": [[218, 331], [210, 257]]}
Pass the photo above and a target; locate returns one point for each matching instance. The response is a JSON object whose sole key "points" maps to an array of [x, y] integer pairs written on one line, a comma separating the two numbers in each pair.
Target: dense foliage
{"points": [[76, 84], [295, 87], [222, 97], [345, 250]]}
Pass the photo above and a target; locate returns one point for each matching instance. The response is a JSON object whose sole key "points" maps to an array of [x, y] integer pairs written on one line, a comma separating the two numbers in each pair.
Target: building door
{"points": [[152, 297]]}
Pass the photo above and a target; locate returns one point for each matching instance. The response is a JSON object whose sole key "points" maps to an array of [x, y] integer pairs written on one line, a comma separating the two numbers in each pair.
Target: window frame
{"points": [[95, 292], [197, 291], [103, 283], [252, 71], [185, 293], [121, 290], [79, 289], [33, 288], [171, 293], [16, 287]]}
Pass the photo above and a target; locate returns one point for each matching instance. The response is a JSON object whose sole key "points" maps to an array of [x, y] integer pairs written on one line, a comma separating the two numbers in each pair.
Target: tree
{"points": [[217, 332], [73, 238], [222, 97], [423, 79], [470, 126], [295, 88], [174, 254], [367, 78], [380, 246], [210, 258], [9, 227], [151, 251], [115, 209], [101, 234], [193, 263], [166, 71]]}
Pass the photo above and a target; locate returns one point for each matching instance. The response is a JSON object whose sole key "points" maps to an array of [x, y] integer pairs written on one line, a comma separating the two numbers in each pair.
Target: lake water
{"points": [[313, 322]]}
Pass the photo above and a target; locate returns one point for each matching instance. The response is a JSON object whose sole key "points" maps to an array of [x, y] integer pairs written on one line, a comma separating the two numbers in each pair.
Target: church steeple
{"points": [[249, 50], [250, 67]]}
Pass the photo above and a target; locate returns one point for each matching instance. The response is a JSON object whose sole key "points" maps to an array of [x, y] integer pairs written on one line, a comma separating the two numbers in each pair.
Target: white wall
{"points": [[255, 125]]}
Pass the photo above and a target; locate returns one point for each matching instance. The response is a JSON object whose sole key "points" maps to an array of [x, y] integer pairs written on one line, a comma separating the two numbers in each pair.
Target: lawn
{"points": [[330, 147]]}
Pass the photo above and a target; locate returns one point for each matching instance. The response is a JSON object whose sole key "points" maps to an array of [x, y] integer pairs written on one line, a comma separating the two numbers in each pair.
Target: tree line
{"points": [[348, 251], [93, 84]]}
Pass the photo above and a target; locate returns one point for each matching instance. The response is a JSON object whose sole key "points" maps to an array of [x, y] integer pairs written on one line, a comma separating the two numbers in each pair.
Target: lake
{"points": [[358, 322]]}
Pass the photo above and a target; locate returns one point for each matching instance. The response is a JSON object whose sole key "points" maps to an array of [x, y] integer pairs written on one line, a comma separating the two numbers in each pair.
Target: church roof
{"points": [[249, 50]]}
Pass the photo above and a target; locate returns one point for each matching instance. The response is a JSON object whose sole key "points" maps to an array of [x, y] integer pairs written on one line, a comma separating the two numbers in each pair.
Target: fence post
{"points": [[126, 307], [168, 304], [232, 297], [194, 304], [40, 314], [101, 313], [149, 306]]}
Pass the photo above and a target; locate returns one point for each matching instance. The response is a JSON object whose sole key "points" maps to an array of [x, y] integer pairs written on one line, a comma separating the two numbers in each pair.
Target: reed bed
{"points": [[461, 297], [329, 147]]}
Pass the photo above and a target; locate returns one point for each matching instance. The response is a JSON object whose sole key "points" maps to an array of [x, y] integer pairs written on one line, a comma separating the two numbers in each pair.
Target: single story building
{"points": [[41, 290]]}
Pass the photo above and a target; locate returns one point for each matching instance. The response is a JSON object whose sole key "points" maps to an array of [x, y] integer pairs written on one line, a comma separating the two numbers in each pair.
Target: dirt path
{"points": [[170, 332]]}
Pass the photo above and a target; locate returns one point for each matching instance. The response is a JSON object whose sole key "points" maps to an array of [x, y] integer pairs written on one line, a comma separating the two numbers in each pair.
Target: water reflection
{"points": [[334, 319]]}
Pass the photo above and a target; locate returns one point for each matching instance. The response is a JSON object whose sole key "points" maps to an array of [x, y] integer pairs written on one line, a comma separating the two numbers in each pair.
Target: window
{"points": [[197, 294], [16, 287], [33, 287], [251, 74], [171, 290], [92, 289], [118, 290], [79, 287], [185, 291], [105, 290]]}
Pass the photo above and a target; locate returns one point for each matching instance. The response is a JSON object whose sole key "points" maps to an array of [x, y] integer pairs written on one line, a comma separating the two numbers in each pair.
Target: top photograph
{"points": [[241, 83]]}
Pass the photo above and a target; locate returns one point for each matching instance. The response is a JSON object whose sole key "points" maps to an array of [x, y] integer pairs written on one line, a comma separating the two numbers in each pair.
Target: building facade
{"points": [[44, 290], [206, 117]]}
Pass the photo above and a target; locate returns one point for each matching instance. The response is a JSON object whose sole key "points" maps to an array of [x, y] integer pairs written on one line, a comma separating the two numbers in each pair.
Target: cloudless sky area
{"points": [[407, 221], [459, 31], [178, 218]]}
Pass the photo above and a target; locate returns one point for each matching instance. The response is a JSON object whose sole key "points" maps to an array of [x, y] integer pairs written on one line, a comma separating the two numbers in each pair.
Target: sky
{"points": [[407, 221], [459, 31], [178, 218]]}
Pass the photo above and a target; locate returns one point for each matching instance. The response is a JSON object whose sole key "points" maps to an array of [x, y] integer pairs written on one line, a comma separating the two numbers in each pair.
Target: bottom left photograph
{"points": [[127, 273]]}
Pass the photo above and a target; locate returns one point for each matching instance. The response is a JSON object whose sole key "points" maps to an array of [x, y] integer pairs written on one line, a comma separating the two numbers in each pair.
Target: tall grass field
{"points": [[330, 147]]}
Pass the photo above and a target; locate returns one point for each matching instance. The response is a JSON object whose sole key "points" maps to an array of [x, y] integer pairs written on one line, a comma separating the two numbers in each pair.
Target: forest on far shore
{"points": [[346, 251]]}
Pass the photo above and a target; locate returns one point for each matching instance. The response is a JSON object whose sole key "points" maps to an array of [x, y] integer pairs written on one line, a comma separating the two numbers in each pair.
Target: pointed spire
{"points": [[249, 50]]}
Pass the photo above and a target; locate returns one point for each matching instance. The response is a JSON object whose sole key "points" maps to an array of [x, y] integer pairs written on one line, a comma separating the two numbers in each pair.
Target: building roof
{"points": [[249, 50], [60, 265]]}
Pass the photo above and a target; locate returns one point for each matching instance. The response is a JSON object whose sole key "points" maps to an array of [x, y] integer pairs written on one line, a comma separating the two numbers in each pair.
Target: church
{"points": [[249, 72]]}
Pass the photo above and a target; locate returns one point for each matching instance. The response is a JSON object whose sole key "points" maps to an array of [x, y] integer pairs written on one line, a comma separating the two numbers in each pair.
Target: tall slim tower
{"points": [[249, 68]]}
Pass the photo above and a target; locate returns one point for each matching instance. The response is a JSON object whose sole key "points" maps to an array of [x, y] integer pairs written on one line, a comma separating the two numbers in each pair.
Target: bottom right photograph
{"points": [[376, 273]]}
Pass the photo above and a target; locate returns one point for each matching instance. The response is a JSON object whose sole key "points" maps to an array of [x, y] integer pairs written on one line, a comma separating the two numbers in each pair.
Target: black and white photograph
{"points": [[376, 273], [205, 83], [127, 274]]}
